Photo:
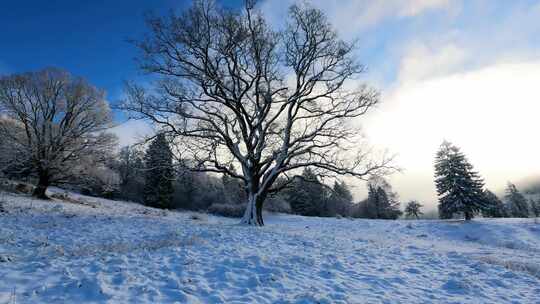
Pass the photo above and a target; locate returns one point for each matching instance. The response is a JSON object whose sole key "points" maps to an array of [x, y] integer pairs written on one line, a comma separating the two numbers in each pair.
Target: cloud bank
{"points": [[491, 113]]}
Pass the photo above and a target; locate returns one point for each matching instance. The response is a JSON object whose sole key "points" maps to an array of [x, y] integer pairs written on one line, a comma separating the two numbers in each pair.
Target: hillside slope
{"points": [[93, 250]]}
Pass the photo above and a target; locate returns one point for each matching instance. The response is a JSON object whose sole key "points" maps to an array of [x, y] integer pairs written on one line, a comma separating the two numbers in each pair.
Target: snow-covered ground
{"points": [[107, 251]]}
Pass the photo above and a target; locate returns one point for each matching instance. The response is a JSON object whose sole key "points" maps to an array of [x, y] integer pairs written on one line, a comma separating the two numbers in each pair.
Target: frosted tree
{"points": [[12, 165], [54, 123], [459, 187], [129, 164], [517, 205], [159, 173], [233, 90], [494, 207], [412, 209]]}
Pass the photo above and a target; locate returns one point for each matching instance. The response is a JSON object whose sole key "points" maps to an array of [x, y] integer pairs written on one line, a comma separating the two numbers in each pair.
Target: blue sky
{"points": [[436, 62], [87, 38]]}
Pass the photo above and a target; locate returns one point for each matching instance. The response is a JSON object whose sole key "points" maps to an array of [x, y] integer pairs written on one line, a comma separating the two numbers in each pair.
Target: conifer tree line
{"points": [[462, 193], [150, 176]]}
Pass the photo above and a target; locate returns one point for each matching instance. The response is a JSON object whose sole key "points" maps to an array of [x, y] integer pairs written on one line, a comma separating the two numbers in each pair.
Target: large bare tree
{"points": [[233, 92], [53, 123]]}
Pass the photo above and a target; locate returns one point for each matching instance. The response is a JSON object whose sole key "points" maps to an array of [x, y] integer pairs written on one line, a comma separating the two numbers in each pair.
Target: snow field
{"points": [[104, 251]]}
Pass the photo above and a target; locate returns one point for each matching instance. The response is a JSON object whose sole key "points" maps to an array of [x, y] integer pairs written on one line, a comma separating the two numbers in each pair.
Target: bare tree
{"points": [[54, 122], [233, 91], [413, 209]]}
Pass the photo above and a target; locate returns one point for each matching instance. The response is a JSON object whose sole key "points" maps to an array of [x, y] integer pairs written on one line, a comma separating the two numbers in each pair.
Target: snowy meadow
{"points": [[93, 250]]}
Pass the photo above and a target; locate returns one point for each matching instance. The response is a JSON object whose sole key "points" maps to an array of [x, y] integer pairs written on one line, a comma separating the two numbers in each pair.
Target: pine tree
{"points": [[340, 200], [459, 187], [307, 195], [300, 201], [516, 202], [413, 209], [494, 207], [159, 174], [185, 187], [234, 189], [372, 208], [379, 205], [535, 207], [381, 201], [341, 191]]}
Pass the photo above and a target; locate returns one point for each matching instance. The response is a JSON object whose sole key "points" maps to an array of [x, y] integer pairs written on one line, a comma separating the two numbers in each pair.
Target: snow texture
{"points": [[93, 250]]}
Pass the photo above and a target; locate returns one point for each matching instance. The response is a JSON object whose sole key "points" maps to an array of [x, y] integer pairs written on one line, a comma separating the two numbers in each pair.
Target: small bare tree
{"points": [[53, 123], [235, 92]]}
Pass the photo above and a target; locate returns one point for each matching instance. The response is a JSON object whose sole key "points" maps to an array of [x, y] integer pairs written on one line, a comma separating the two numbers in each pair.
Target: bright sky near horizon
{"points": [[465, 70]]}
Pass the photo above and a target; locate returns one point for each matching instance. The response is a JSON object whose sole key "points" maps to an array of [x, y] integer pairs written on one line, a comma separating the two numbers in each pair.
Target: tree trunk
{"points": [[253, 214], [41, 188], [258, 208], [468, 216]]}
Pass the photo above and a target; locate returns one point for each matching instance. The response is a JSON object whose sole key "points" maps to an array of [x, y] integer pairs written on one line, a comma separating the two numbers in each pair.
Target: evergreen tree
{"points": [[380, 200], [185, 187], [360, 209], [535, 207], [340, 200], [371, 208], [413, 209], [159, 173], [307, 195], [300, 201], [516, 202], [459, 187], [379, 205], [494, 207], [233, 188]]}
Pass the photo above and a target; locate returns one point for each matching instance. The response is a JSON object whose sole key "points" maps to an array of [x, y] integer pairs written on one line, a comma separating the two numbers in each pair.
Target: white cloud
{"points": [[475, 85], [413, 8], [352, 16], [424, 62], [132, 131], [491, 113], [355, 15]]}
